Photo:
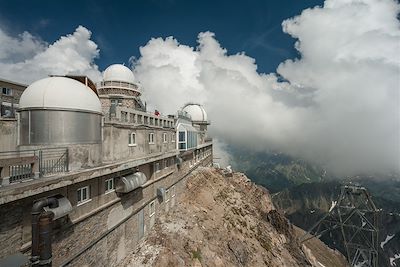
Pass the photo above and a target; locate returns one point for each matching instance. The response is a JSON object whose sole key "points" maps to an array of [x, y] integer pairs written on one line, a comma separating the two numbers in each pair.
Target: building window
{"points": [[182, 137], [7, 91], [152, 212], [167, 196], [182, 140], [151, 138], [173, 136], [152, 208], [173, 191], [83, 195], [109, 185], [157, 167], [132, 139], [124, 116], [116, 102], [132, 118], [166, 163], [164, 137]]}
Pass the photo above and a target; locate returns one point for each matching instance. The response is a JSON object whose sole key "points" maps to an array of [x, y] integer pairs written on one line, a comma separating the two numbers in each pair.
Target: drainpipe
{"points": [[41, 232]]}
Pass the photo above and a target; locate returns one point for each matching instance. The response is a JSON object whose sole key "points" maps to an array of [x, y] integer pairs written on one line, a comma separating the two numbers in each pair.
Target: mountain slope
{"points": [[227, 221], [275, 171]]}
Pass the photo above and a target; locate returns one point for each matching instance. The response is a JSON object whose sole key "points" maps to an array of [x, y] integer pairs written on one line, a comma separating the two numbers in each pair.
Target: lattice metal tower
{"points": [[355, 218]]}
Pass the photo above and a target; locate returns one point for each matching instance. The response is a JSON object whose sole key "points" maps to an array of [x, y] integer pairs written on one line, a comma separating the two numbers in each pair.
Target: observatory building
{"points": [[59, 110], [95, 164]]}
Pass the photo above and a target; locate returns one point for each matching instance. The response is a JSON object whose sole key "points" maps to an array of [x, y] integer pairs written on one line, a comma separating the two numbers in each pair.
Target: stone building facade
{"points": [[111, 191]]}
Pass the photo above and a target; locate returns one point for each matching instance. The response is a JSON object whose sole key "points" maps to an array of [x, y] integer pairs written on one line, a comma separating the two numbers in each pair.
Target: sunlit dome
{"points": [[118, 72], [59, 93], [196, 111]]}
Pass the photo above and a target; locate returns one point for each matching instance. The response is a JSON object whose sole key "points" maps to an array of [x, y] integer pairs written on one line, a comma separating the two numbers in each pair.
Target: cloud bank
{"points": [[26, 58], [338, 106]]}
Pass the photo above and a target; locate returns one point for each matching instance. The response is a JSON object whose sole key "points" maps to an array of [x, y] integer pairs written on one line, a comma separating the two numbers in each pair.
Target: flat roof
{"points": [[12, 82]]}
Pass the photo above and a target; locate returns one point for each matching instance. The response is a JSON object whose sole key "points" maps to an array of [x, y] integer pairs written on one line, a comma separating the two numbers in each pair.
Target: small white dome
{"points": [[196, 111], [118, 72], [59, 92]]}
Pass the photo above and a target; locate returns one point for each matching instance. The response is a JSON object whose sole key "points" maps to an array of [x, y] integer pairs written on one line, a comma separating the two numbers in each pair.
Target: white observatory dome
{"points": [[59, 93], [196, 111], [118, 72]]}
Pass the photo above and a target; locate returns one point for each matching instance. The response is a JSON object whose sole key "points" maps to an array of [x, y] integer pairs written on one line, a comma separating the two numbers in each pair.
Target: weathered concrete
{"points": [[8, 133], [109, 220]]}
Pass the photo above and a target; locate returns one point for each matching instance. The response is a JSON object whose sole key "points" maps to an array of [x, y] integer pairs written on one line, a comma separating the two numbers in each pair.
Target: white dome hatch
{"points": [[118, 72], [196, 111], [60, 93]]}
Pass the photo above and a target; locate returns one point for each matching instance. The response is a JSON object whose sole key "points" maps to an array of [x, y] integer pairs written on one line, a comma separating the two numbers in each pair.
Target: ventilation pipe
{"points": [[41, 231]]}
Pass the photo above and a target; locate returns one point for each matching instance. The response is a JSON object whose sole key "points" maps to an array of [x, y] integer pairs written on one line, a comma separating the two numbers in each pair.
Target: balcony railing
{"points": [[19, 166], [117, 84]]}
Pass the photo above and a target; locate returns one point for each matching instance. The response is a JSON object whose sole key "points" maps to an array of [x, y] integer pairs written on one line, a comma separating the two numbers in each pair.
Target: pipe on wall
{"points": [[41, 231]]}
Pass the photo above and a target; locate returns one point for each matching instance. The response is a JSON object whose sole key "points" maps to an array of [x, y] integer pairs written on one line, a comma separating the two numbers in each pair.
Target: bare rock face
{"points": [[227, 221]]}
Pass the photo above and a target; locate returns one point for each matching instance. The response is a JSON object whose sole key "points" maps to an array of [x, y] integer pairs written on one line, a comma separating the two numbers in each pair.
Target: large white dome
{"points": [[118, 72], [60, 93], [196, 111]]}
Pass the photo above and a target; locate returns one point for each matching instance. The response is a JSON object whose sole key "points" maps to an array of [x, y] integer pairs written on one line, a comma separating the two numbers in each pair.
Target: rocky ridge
{"points": [[227, 221]]}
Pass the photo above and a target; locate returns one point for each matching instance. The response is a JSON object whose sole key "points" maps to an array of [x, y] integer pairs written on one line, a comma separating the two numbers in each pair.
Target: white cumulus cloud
{"points": [[339, 106], [26, 58]]}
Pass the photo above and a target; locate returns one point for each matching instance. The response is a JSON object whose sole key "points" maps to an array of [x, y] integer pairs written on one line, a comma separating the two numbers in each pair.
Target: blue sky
{"points": [[120, 27]]}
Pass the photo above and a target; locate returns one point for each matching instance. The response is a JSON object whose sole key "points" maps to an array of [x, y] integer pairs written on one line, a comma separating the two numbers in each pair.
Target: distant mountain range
{"points": [[305, 193]]}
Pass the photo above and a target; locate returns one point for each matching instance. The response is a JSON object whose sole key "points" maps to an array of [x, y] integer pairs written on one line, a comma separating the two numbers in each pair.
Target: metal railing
{"points": [[20, 172], [118, 85], [23, 165], [53, 161]]}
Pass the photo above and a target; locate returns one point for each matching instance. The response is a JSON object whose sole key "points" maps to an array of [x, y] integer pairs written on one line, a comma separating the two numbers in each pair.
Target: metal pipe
{"points": [[37, 209], [45, 229]]}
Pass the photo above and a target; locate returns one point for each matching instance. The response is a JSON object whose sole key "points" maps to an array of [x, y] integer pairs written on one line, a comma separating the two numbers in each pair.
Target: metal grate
{"points": [[20, 172]]}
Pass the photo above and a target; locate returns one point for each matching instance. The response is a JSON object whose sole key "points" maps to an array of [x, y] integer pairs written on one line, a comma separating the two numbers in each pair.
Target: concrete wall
{"points": [[116, 142], [110, 220], [8, 133]]}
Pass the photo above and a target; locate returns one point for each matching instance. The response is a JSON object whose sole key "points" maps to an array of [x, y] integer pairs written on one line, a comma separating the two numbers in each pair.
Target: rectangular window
{"points": [[182, 145], [132, 139], [132, 118], [152, 212], [164, 137], [7, 91], [167, 196], [124, 116], [173, 196], [173, 138], [182, 137], [152, 208], [165, 163], [83, 194], [151, 138], [173, 191], [157, 167], [109, 185]]}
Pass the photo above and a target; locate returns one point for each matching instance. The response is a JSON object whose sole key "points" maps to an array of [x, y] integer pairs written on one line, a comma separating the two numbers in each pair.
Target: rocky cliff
{"points": [[227, 221]]}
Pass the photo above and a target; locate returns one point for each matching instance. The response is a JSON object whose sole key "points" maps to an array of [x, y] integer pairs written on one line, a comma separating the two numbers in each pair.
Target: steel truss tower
{"points": [[355, 218]]}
